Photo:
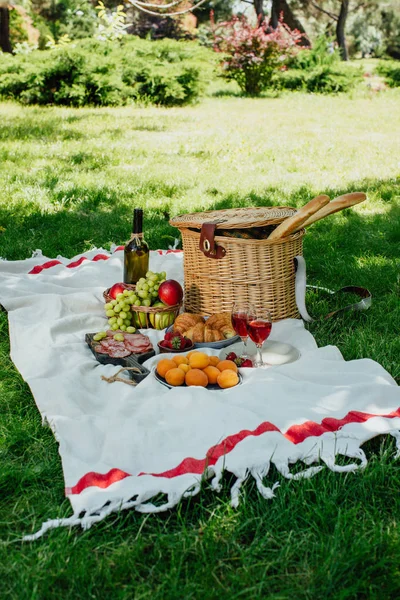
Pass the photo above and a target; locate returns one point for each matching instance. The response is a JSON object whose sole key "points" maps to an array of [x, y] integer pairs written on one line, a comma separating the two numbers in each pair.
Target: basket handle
{"points": [[207, 242], [301, 286]]}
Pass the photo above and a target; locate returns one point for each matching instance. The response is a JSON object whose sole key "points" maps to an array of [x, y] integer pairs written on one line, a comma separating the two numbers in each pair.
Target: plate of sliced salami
{"points": [[131, 351]]}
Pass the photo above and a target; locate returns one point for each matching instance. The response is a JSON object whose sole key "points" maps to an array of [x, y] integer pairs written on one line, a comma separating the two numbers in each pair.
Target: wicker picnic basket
{"points": [[223, 265]]}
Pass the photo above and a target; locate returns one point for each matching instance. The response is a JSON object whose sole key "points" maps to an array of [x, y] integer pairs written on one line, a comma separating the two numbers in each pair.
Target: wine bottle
{"points": [[136, 251]]}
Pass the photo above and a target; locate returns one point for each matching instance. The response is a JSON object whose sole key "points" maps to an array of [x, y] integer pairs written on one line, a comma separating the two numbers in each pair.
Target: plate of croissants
{"points": [[215, 331]]}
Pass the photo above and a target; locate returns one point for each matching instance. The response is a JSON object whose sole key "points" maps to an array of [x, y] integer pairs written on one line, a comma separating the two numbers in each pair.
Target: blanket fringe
{"points": [[325, 449]]}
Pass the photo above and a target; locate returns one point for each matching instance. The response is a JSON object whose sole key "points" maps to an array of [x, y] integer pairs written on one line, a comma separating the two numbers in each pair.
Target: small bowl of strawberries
{"points": [[174, 342], [240, 361]]}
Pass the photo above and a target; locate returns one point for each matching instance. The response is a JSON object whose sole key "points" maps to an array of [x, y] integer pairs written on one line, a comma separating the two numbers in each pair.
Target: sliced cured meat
{"points": [[134, 343], [137, 343], [114, 348], [100, 349]]}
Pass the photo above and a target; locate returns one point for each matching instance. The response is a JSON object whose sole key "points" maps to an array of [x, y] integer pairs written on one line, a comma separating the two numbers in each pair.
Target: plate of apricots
{"points": [[197, 369]]}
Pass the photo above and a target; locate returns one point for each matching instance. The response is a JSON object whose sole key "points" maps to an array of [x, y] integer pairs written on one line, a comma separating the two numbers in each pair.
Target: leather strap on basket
{"points": [[301, 286], [207, 242]]}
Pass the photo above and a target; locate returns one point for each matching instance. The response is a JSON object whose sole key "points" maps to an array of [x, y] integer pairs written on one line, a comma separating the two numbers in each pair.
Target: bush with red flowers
{"points": [[252, 53]]}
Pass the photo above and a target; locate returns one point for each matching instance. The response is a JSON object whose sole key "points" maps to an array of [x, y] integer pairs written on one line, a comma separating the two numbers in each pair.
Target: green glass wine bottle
{"points": [[136, 251]]}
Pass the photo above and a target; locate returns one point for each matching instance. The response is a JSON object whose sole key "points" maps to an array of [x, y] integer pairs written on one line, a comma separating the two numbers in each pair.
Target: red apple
{"points": [[170, 292], [117, 288]]}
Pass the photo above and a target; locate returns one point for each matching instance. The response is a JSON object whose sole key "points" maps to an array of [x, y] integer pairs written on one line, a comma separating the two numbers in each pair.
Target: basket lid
{"points": [[236, 218]]}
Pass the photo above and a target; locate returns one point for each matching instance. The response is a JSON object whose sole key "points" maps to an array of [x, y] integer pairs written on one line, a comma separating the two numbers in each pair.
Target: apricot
{"points": [[212, 373], [227, 364], [196, 377], [175, 376], [214, 360], [189, 354], [199, 360], [227, 378], [184, 368], [180, 360], [164, 365]]}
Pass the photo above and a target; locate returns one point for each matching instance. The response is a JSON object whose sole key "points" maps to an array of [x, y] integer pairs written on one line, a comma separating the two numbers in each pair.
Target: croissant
{"points": [[212, 335], [219, 320], [228, 331], [193, 326], [185, 321]]}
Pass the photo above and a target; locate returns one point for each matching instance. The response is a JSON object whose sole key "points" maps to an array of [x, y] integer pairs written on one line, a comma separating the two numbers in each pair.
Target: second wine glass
{"points": [[241, 312], [259, 327]]}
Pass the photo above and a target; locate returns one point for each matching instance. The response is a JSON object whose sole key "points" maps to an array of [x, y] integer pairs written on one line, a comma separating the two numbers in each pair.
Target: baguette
{"points": [[335, 205], [297, 221]]}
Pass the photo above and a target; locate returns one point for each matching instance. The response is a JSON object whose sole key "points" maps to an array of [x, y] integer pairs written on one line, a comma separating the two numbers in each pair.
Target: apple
{"points": [[170, 292], [117, 288]]}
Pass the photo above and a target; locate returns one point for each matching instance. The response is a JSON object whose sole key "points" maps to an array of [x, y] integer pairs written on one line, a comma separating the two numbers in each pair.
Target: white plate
{"points": [[273, 353]]}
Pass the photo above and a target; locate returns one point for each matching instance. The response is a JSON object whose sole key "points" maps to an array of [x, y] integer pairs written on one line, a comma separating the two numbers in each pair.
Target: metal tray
{"points": [[215, 345]]}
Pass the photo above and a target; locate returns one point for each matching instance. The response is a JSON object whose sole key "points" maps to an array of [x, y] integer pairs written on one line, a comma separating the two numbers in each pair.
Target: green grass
{"points": [[69, 180]]}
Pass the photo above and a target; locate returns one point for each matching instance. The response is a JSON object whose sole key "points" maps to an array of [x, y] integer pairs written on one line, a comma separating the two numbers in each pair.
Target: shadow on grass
{"points": [[42, 125]]}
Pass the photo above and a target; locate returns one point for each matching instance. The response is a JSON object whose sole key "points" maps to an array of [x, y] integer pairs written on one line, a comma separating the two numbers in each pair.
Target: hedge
{"points": [[88, 72]]}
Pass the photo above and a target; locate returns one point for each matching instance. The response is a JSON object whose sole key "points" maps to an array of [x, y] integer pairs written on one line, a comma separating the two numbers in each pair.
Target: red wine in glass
{"points": [[259, 328], [240, 316], [259, 331]]}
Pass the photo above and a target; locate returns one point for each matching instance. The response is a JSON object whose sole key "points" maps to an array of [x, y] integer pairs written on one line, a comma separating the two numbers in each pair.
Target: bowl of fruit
{"points": [[174, 342], [153, 303]]}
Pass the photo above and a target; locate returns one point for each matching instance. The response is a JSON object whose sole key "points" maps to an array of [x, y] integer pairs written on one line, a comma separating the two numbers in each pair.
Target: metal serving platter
{"points": [[211, 386]]}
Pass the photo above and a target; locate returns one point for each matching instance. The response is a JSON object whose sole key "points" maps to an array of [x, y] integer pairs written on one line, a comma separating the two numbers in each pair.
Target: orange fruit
{"points": [[175, 376], [212, 373], [189, 354], [227, 364], [227, 378], [199, 360], [184, 368], [214, 360], [164, 365], [196, 377], [180, 360]]}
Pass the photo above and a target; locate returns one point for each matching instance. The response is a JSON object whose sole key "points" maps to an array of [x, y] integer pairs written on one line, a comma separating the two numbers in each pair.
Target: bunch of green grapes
{"points": [[146, 292], [119, 312]]}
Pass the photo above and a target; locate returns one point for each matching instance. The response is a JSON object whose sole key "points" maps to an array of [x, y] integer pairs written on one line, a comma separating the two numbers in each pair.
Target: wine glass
{"points": [[259, 326], [240, 315]]}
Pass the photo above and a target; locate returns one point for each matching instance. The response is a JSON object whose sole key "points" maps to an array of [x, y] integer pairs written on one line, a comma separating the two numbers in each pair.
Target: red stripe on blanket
{"points": [[295, 434], [46, 265], [76, 263], [98, 480]]}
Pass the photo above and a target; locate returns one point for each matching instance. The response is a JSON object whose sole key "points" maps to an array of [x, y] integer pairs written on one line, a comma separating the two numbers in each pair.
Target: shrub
{"points": [[321, 54], [107, 73], [251, 53], [318, 70], [321, 80], [390, 70]]}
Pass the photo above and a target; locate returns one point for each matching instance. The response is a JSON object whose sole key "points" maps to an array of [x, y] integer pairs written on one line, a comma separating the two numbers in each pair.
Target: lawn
{"points": [[69, 179]]}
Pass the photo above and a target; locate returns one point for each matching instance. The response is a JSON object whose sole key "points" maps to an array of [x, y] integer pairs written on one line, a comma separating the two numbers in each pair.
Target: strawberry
{"points": [[165, 344], [231, 356], [177, 342], [169, 335], [188, 342], [246, 363]]}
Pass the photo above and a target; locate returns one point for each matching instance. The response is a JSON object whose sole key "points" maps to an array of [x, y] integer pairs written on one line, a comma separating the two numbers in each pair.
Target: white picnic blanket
{"points": [[121, 446]]}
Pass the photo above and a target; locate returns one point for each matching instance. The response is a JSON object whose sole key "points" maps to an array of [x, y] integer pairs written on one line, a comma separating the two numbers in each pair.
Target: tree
{"points": [[5, 43], [281, 9], [337, 12]]}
